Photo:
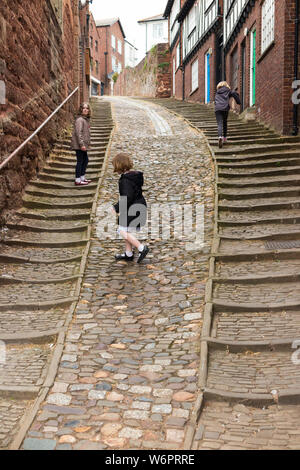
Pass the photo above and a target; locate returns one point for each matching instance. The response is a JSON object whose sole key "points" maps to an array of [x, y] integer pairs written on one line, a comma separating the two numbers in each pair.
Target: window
{"points": [[97, 67], [195, 75], [120, 47], [91, 39], [92, 64], [178, 56], [157, 30], [96, 46], [267, 25], [114, 64], [113, 42], [119, 67]]}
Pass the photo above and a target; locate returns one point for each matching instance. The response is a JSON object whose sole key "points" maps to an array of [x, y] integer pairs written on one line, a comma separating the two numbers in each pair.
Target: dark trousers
{"points": [[82, 163], [222, 117]]}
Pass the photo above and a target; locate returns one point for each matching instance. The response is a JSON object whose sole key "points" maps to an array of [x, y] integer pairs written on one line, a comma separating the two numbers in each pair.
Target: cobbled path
{"points": [[129, 370]]}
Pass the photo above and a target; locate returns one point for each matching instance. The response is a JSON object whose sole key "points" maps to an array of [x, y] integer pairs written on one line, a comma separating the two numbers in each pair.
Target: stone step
{"points": [[11, 412], [260, 269], [261, 182], [272, 163], [262, 231], [47, 239], [257, 141], [266, 294], [228, 425], [38, 254], [68, 177], [56, 203], [48, 226], [54, 214], [257, 172], [260, 192], [58, 193], [245, 150], [264, 156], [258, 373], [261, 204], [18, 295], [38, 272], [257, 217]]}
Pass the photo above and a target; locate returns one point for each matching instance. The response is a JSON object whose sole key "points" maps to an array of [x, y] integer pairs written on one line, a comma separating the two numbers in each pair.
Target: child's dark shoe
{"points": [[143, 254], [123, 257]]}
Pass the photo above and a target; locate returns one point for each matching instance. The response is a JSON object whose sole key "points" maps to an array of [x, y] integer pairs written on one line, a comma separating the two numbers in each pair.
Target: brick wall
{"points": [[105, 34], [151, 77], [39, 65], [199, 94], [274, 68]]}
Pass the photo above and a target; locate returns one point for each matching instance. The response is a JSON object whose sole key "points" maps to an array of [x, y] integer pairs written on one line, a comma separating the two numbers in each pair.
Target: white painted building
{"points": [[131, 58], [155, 32]]}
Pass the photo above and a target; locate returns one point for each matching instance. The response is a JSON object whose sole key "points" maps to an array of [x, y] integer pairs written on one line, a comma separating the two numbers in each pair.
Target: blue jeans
{"points": [[82, 163]]}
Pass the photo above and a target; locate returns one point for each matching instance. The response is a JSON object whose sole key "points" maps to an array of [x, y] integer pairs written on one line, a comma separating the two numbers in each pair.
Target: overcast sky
{"points": [[129, 12]]}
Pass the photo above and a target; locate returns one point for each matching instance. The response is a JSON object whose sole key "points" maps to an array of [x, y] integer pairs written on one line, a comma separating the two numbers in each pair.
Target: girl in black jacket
{"points": [[222, 108], [130, 203]]}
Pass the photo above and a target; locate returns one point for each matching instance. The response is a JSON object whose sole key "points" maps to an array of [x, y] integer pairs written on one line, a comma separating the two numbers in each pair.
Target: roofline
{"points": [[149, 20], [131, 45], [108, 24], [185, 9], [168, 8]]}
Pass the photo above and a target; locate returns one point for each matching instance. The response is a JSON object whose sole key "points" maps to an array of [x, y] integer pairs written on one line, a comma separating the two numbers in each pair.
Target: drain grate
{"points": [[284, 244]]}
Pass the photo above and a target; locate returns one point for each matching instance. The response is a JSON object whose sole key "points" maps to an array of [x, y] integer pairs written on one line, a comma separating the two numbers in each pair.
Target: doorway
{"points": [[243, 91], [207, 78], [252, 67]]}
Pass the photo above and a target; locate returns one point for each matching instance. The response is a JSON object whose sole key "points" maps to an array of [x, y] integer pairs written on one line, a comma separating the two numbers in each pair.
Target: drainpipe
{"points": [[296, 51]]}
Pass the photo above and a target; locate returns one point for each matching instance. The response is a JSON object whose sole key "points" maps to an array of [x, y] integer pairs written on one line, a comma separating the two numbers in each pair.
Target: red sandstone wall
{"points": [[151, 77], [39, 65]]}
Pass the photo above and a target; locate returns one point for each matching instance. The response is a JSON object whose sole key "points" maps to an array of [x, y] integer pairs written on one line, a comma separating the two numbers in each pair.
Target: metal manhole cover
{"points": [[284, 244]]}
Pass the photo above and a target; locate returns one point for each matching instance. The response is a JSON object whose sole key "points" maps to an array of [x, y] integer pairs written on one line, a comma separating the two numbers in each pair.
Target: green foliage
{"points": [[153, 50], [163, 65], [145, 65], [115, 76]]}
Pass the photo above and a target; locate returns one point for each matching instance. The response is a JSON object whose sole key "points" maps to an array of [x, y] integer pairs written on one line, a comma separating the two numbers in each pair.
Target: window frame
{"points": [[193, 68], [267, 36]]}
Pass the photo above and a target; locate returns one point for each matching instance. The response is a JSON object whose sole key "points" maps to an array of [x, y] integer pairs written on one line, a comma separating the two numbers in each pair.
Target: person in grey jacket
{"points": [[223, 95], [81, 143]]}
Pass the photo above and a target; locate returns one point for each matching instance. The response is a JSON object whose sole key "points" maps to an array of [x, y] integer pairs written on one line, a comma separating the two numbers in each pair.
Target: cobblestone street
{"points": [[128, 374]]}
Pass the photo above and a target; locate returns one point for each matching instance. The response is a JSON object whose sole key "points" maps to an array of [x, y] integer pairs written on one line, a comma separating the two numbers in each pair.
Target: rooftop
{"points": [[153, 18]]}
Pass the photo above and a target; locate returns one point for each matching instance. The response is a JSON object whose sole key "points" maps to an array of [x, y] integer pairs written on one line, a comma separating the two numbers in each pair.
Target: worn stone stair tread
{"points": [[260, 204], [242, 193], [236, 233], [254, 345], [227, 222], [37, 305], [261, 172], [255, 327], [270, 163], [54, 214], [57, 193], [251, 398], [247, 149], [37, 225], [252, 306], [284, 180]]}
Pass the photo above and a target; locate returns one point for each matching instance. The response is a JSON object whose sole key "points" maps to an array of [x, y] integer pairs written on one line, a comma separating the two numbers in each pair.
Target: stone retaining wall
{"points": [[39, 68], [150, 78]]}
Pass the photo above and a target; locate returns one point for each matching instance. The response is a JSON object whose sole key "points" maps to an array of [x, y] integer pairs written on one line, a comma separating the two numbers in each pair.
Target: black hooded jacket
{"points": [[222, 98], [130, 185]]}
